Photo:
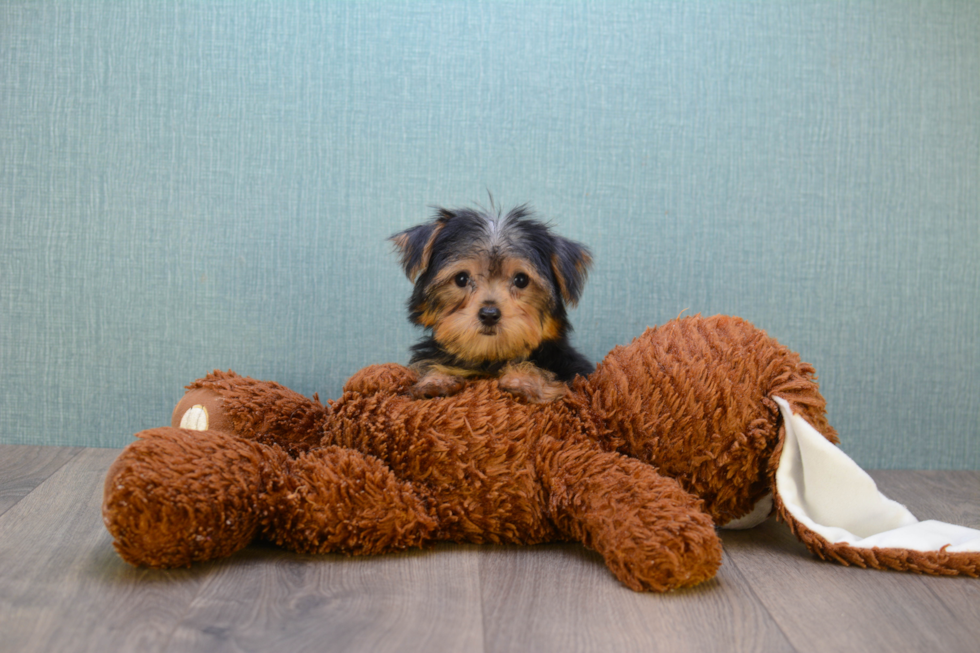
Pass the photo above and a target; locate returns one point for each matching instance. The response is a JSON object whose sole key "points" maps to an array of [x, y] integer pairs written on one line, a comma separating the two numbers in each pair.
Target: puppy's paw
{"points": [[532, 383], [436, 384]]}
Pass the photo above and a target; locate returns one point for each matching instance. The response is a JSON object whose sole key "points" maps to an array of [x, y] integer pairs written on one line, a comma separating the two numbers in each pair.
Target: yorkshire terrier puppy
{"points": [[490, 291]]}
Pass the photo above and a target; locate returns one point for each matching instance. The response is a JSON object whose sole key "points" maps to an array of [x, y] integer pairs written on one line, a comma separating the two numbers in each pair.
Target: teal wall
{"points": [[195, 185]]}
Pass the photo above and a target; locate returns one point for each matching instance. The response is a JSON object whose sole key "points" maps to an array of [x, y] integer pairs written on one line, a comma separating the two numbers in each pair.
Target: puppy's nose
{"points": [[489, 315]]}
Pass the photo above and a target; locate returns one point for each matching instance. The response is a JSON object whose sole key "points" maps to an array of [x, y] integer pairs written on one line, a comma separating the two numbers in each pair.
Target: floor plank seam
{"points": [[178, 622], [931, 588], [75, 452], [750, 587], [483, 603]]}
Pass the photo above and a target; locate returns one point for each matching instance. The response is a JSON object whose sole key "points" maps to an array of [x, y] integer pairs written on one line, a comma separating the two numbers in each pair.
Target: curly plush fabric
{"points": [[670, 435]]}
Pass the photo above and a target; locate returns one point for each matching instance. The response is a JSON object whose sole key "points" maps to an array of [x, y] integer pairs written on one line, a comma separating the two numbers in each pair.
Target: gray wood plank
{"points": [[822, 606], [269, 599], [63, 588], [24, 467], [950, 496], [561, 597]]}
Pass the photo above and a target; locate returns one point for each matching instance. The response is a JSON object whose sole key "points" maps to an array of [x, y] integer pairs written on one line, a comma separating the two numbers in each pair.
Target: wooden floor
{"points": [[63, 588]]}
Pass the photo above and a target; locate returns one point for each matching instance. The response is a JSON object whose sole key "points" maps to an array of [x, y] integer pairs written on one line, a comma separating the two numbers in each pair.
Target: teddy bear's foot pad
{"points": [[195, 418]]}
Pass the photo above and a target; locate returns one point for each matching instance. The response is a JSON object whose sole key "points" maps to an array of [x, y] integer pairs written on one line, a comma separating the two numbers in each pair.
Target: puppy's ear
{"points": [[415, 244], [570, 263]]}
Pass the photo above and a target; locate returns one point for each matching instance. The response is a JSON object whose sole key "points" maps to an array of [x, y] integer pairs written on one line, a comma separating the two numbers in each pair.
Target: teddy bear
{"points": [[695, 424]]}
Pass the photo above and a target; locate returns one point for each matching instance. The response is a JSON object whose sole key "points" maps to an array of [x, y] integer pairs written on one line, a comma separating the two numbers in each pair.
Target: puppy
{"points": [[490, 291]]}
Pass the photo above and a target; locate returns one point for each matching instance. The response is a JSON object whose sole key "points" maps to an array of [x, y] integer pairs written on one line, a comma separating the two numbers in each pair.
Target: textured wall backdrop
{"points": [[195, 185]]}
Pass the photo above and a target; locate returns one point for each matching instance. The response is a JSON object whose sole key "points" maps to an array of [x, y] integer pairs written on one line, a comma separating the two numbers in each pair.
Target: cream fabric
{"points": [[828, 493]]}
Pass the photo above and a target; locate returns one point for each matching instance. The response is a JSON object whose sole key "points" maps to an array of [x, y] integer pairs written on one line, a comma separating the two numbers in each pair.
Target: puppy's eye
{"points": [[521, 280], [461, 279]]}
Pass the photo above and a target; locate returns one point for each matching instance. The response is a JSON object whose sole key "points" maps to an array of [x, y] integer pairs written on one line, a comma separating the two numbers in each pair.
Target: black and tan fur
{"points": [[491, 291]]}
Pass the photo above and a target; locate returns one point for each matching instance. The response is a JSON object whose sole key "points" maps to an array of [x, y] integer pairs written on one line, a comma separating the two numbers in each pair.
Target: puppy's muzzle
{"points": [[489, 315]]}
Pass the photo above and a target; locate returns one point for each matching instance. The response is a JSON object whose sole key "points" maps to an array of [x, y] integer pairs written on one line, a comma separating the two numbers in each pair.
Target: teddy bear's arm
{"points": [[336, 499], [652, 533]]}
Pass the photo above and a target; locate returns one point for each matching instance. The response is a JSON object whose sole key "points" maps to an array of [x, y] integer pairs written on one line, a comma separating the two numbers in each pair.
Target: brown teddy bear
{"points": [[679, 431]]}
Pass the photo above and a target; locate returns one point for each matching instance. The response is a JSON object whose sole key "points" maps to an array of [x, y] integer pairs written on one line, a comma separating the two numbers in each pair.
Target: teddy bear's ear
{"points": [[570, 263], [415, 245]]}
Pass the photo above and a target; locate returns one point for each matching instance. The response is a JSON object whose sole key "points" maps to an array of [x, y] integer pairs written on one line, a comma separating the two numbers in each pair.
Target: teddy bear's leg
{"points": [[694, 398], [263, 411], [341, 500], [652, 534], [178, 496]]}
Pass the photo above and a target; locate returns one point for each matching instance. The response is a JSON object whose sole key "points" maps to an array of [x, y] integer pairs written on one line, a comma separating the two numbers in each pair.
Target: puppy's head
{"points": [[491, 287]]}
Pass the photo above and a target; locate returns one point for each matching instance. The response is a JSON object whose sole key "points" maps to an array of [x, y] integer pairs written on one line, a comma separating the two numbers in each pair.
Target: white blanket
{"points": [[828, 493]]}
